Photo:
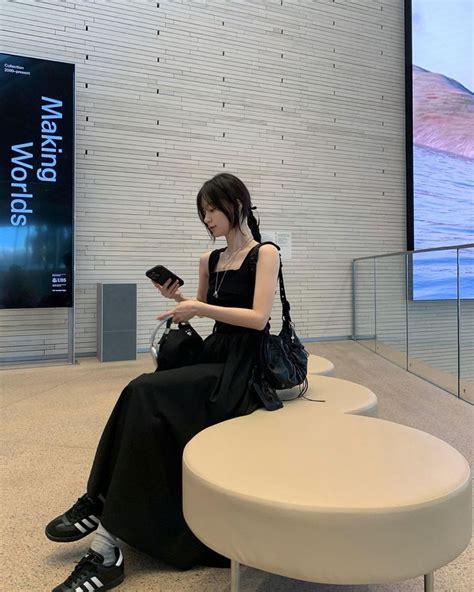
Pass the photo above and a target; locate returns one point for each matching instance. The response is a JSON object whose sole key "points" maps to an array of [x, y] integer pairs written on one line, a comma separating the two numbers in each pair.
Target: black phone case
{"points": [[161, 275]]}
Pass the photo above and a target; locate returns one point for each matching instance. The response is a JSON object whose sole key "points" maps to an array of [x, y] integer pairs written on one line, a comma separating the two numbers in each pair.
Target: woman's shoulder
{"points": [[207, 259], [205, 256], [269, 247], [266, 252]]}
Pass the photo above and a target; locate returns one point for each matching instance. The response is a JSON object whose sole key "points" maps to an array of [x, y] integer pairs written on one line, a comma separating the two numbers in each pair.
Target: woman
{"points": [[134, 489]]}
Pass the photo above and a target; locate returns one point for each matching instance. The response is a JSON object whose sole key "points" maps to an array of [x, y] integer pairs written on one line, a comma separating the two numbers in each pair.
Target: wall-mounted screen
{"points": [[36, 182], [440, 144]]}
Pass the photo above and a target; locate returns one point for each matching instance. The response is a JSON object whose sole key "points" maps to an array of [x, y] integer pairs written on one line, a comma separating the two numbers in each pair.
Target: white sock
{"points": [[105, 543]]}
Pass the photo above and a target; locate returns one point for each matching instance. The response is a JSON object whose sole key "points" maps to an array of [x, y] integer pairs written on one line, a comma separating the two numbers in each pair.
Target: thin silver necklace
{"points": [[218, 285]]}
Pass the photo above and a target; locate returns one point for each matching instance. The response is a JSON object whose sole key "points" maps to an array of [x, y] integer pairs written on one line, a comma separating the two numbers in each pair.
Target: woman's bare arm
{"points": [[203, 277]]}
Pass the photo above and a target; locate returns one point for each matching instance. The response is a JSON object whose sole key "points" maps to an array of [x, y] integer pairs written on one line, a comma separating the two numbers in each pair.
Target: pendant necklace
{"points": [[218, 285]]}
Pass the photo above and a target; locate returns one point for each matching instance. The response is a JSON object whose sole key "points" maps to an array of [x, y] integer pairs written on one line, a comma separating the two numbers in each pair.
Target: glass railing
{"points": [[416, 309]]}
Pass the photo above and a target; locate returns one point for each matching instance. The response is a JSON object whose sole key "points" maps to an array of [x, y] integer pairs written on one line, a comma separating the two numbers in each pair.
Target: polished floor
{"points": [[52, 418]]}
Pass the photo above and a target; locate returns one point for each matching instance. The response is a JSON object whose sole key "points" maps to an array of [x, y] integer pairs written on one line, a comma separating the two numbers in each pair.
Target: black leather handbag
{"points": [[178, 346], [283, 358]]}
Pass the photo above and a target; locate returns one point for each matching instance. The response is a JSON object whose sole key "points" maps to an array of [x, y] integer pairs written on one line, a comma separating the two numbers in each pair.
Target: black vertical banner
{"points": [[36, 182]]}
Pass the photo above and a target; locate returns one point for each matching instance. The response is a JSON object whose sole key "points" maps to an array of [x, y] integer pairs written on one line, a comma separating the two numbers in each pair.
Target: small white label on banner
{"points": [[268, 236], [283, 239]]}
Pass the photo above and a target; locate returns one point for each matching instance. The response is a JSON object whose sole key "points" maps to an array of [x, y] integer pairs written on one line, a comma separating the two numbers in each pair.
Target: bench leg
{"points": [[429, 582], [234, 576]]}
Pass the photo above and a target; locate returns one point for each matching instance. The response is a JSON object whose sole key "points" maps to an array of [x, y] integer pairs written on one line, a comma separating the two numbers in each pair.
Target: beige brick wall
{"points": [[304, 100]]}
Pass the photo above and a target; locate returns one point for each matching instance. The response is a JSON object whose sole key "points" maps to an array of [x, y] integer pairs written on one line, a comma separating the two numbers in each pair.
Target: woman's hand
{"points": [[183, 312], [170, 290]]}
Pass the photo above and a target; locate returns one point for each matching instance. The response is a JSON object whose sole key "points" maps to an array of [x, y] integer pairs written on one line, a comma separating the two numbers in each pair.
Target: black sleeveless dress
{"points": [[137, 467]]}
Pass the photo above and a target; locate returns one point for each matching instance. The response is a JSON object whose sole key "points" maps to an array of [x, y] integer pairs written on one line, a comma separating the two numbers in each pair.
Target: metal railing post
{"points": [[407, 288], [458, 321], [354, 323], [375, 304]]}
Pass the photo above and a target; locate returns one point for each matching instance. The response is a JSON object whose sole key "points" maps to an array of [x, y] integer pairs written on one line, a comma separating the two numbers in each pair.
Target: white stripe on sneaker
{"points": [[79, 527], [94, 518], [88, 523], [97, 582], [90, 587], [79, 589], [120, 559]]}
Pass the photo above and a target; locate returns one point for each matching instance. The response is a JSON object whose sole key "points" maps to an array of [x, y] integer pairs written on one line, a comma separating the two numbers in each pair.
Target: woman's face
{"points": [[216, 221]]}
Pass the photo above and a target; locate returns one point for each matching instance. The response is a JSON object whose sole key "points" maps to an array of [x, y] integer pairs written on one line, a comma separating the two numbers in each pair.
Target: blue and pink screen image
{"points": [[443, 147]]}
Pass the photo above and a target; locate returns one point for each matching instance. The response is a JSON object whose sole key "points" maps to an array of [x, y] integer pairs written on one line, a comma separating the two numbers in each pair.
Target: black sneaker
{"points": [[77, 522], [91, 574]]}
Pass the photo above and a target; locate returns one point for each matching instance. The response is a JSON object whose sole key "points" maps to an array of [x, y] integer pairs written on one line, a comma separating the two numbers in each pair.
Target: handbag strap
{"points": [[285, 305], [166, 322]]}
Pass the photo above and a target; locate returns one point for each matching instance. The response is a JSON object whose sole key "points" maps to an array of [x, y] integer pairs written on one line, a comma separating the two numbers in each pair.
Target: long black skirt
{"points": [[137, 468]]}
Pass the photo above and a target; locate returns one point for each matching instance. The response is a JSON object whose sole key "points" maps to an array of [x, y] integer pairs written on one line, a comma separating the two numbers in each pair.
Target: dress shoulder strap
{"points": [[253, 266], [213, 258], [254, 254]]}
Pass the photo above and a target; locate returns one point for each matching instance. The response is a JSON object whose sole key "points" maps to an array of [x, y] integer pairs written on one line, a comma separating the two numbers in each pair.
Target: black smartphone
{"points": [[160, 275]]}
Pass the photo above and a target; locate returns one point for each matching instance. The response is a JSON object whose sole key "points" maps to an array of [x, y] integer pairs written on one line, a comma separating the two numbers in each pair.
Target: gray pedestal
{"points": [[116, 322]]}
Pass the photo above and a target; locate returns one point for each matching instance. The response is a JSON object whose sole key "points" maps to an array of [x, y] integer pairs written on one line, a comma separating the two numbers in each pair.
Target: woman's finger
{"points": [[165, 315], [168, 289]]}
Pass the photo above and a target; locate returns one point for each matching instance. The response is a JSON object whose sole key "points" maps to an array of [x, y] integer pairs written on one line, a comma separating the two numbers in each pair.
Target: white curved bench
{"points": [[339, 395], [319, 365], [342, 500]]}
